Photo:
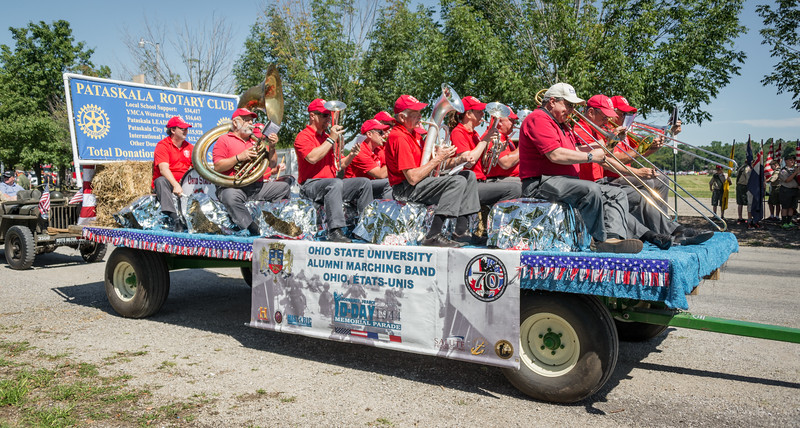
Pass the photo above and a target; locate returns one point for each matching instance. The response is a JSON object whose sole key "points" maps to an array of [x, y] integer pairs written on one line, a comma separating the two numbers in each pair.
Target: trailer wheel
{"points": [[247, 275], [568, 347], [20, 248], [137, 282], [92, 251]]}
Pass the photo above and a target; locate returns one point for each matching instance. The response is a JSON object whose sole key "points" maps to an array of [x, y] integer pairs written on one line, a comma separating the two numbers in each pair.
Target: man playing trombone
{"points": [[549, 159], [236, 147], [317, 170], [455, 196]]}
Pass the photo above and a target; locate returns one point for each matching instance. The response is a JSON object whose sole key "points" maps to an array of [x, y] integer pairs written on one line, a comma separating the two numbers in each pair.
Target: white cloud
{"points": [[773, 123]]}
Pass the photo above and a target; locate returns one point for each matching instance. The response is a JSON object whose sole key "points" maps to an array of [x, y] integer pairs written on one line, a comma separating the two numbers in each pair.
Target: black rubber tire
{"points": [[92, 252], [247, 275], [629, 331], [587, 358], [20, 248], [136, 281]]}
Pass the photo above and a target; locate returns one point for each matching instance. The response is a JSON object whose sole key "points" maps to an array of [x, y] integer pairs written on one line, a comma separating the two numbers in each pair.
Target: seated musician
{"points": [[236, 147], [549, 159], [466, 140], [370, 162], [649, 178], [455, 196], [271, 173], [507, 168], [171, 160], [385, 118], [317, 170]]}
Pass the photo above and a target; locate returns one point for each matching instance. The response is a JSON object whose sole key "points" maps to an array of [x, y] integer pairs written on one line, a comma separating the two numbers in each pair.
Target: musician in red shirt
{"points": [[455, 196], [507, 168], [371, 159], [549, 159], [233, 148], [171, 160], [317, 171]]}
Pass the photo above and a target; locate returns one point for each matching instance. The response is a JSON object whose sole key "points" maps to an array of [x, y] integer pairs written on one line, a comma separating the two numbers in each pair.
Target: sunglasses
{"points": [[325, 115]]}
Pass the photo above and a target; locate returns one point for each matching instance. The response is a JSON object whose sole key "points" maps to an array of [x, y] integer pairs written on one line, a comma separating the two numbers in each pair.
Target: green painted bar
{"points": [[717, 325]]}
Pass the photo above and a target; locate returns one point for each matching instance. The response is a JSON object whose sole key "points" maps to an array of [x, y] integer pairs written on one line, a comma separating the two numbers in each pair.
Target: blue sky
{"points": [[741, 108]]}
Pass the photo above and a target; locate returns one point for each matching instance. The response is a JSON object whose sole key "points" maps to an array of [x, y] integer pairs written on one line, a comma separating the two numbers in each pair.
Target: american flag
{"points": [[768, 164], [44, 201], [77, 198]]}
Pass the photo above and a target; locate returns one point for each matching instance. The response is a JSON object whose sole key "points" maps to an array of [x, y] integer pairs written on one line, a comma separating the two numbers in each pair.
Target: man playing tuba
{"points": [[317, 171], [230, 150]]}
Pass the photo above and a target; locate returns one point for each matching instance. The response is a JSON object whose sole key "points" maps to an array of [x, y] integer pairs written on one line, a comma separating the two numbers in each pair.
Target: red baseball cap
{"points": [[177, 121], [407, 102], [318, 105], [512, 115], [621, 103], [257, 128], [472, 103], [244, 113], [383, 116], [373, 124], [603, 103]]}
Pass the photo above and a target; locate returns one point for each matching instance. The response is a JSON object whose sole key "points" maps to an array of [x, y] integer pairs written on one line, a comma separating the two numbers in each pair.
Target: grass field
{"points": [[697, 185]]}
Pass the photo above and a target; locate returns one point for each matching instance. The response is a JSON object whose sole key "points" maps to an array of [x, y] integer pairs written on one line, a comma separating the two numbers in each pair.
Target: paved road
{"points": [[685, 378]]}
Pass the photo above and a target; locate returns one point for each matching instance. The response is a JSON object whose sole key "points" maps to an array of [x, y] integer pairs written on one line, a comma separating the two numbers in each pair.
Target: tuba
{"points": [[266, 97], [447, 102]]}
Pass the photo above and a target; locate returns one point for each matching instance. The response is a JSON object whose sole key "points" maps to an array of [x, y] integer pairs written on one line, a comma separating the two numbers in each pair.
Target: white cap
{"points": [[565, 91]]}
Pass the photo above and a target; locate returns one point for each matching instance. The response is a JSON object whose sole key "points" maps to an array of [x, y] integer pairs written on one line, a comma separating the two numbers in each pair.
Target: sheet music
{"points": [[272, 128]]}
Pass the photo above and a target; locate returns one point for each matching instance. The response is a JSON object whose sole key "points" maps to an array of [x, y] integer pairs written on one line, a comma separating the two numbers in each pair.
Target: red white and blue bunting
{"points": [[629, 271], [166, 242]]}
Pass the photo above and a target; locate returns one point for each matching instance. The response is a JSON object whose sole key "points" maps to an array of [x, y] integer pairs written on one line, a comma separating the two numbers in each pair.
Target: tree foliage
{"points": [[782, 34], [658, 53], [33, 117]]}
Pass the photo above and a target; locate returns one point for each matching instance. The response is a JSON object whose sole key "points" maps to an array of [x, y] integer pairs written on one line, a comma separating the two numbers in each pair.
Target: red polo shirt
{"points": [[540, 134], [586, 135], [306, 141], [497, 170], [228, 146], [178, 158], [465, 141], [403, 151], [366, 160]]}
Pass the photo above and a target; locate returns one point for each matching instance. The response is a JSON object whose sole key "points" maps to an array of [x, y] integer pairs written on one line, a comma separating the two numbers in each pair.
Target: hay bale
{"points": [[116, 185]]}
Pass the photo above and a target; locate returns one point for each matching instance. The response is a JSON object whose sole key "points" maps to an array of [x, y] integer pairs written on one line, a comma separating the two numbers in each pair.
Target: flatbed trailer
{"points": [[551, 320]]}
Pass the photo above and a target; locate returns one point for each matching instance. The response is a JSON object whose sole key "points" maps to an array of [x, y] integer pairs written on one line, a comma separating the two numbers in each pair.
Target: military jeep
{"points": [[25, 233]]}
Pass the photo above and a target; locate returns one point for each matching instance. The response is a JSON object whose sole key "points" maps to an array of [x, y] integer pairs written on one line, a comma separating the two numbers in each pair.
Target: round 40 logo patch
{"points": [[486, 277], [93, 121]]}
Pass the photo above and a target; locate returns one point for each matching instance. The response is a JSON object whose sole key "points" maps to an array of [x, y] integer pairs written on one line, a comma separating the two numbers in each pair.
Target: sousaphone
{"points": [[266, 97]]}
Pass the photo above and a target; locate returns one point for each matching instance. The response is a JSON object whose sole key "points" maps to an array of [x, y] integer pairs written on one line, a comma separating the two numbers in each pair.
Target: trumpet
{"points": [[496, 111], [336, 107]]}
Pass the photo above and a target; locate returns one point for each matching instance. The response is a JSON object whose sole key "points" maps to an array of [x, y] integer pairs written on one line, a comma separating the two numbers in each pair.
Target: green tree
{"points": [[657, 53], [318, 53], [782, 35], [33, 118]]}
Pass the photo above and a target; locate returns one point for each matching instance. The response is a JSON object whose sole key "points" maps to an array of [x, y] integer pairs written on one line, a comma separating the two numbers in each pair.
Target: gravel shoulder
{"points": [[198, 347]]}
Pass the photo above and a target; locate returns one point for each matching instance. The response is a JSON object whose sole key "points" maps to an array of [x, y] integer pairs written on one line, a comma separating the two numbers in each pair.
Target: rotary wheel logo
{"points": [[485, 277], [93, 121]]}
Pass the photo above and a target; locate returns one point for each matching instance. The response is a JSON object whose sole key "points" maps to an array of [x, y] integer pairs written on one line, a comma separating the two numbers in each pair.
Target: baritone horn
{"points": [[438, 133], [267, 98], [491, 155], [336, 108]]}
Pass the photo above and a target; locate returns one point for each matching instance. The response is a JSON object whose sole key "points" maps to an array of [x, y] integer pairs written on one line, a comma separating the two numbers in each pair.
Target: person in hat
{"points": [[234, 148], [717, 185], [466, 140], [317, 171], [8, 187], [385, 118], [22, 178], [455, 196], [171, 159], [507, 168], [549, 168], [789, 190], [773, 202], [370, 162]]}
